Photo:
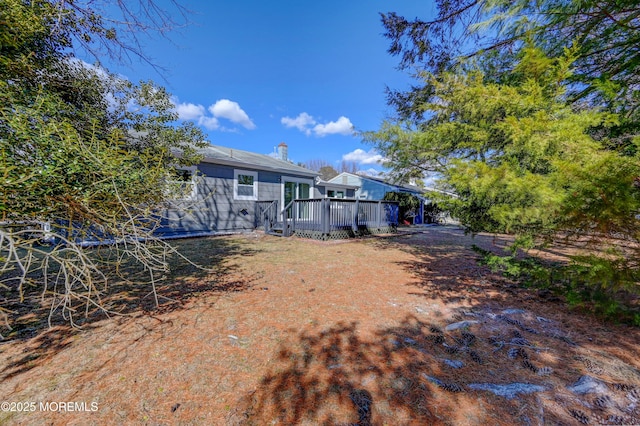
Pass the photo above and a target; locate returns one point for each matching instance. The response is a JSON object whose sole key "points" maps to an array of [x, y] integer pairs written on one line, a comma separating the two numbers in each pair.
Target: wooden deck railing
{"points": [[267, 214], [333, 219]]}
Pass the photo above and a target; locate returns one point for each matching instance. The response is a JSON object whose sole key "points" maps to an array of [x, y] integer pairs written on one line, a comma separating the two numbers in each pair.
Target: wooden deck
{"points": [[327, 219]]}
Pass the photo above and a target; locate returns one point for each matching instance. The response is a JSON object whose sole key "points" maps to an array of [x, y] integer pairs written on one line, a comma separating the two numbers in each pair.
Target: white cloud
{"points": [[361, 156], [371, 172], [224, 108], [94, 68], [301, 122], [209, 123], [188, 111], [308, 124], [341, 127]]}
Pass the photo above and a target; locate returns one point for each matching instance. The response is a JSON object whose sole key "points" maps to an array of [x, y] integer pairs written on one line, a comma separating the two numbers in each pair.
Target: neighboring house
{"points": [[326, 189], [231, 187], [375, 188]]}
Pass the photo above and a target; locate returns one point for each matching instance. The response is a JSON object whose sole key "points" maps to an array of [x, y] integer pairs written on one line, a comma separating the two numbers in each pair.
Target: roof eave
{"points": [[337, 185], [236, 163]]}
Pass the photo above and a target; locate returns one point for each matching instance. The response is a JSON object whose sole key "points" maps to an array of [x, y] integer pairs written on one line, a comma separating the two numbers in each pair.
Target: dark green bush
{"points": [[606, 286]]}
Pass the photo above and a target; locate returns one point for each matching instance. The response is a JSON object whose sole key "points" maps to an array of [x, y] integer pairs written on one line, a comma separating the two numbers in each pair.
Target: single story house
{"points": [[233, 190], [230, 188]]}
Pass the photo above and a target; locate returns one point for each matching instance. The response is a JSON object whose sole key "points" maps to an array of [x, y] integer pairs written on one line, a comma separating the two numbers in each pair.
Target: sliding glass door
{"points": [[296, 190]]}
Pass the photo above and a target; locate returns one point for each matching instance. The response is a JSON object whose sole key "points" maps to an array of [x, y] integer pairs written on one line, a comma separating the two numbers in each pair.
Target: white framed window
{"points": [[245, 185], [184, 185], [335, 194]]}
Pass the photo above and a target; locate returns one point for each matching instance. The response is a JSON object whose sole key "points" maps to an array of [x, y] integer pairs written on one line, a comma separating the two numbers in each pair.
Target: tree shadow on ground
{"points": [[423, 372], [337, 377], [208, 267], [447, 269], [413, 373], [125, 295]]}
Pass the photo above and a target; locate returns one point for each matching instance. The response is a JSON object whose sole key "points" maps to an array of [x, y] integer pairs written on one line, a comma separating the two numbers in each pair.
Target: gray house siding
{"points": [[372, 188], [368, 189], [375, 189], [215, 208]]}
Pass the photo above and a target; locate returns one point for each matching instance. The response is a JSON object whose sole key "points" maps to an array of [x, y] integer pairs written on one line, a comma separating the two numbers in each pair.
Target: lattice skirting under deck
{"points": [[342, 234]]}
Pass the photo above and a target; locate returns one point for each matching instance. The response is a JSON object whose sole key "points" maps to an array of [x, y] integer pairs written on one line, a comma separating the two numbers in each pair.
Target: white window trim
{"points": [[194, 188], [336, 190], [236, 173], [285, 178], [189, 195]]}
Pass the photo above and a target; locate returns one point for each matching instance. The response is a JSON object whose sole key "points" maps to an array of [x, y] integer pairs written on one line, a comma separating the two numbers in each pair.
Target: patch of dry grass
{"points": [[290, 331]]}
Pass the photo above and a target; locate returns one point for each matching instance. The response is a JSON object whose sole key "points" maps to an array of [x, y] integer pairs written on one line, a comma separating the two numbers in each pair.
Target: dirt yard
{"points": [[398, 330]]}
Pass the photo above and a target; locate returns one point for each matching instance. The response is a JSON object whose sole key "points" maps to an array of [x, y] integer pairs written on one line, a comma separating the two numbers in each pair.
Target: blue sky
{"points": [[255, 73]]}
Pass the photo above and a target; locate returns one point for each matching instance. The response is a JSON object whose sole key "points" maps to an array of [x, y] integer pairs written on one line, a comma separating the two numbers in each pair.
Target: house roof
{"points": [[236, 157], [324, 183], [409, 188]]}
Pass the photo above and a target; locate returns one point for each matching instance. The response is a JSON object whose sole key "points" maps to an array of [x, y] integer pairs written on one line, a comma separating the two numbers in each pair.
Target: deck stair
{"points": [[277, 229]]}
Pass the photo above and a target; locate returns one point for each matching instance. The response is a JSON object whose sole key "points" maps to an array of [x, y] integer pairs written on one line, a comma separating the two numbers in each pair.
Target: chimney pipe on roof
{"points": [[283, 151]]}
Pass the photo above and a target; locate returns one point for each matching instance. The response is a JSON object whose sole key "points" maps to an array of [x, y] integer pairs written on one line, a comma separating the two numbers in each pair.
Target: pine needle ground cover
{"points": [[409, 329]]}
